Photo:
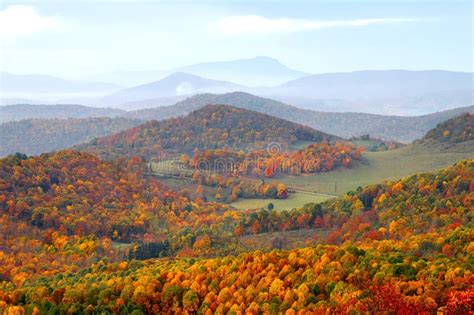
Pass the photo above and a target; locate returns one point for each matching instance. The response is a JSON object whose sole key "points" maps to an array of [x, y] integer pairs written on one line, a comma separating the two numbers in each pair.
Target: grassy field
{"points": [[169, 167], [118, 245], [375, 167], [369, 145], [298, 145], [295, 200]]}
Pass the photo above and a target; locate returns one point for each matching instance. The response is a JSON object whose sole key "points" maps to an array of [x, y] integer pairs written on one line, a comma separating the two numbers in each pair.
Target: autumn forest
{"points": [[144, 221]]}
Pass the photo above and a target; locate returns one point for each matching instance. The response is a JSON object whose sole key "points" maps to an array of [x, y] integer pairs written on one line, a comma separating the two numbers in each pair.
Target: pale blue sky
{"points": [[74, 38]]}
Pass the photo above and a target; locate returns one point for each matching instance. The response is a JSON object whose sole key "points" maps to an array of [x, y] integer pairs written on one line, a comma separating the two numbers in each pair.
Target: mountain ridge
{"points": [[38, 135], [381, 91], [346, 125], [209, 127], [174, 85], [216, 70]]}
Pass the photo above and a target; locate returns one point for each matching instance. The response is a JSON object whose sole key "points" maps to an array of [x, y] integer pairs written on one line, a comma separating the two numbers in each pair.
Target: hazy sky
{"points": [[73, 38]]}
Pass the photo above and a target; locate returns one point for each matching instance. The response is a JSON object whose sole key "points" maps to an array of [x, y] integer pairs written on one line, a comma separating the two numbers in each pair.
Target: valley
{"points": [[172, 202], [425, 155], [236, 157]]}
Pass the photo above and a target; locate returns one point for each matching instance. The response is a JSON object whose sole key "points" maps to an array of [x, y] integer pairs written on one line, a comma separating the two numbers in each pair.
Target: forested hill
{"points": [[211, 127], [347, 125], [60, 211], [454, 130], [36, 136], [351, 124]]}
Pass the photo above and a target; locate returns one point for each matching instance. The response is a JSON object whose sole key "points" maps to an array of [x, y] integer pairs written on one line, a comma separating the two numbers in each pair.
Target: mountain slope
{"points": [[59, 211], [346, 125], [454, 130], [213, 126], [376, 249], [25, 111], [176, 84], [36, 136]]}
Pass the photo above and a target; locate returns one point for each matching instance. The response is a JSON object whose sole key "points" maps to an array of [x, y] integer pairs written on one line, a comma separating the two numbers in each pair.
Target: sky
{"points": [[77, 38]]}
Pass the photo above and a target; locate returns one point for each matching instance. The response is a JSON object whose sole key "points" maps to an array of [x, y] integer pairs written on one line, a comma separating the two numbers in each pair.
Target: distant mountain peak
{"points": [[182, 75], [256, 71], [176, 84], [268, 60]]}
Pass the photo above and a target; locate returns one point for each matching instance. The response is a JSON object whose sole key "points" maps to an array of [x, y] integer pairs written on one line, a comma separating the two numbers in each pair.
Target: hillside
{"points": [[375, 145], [237, 99], [346, 125], [454, 130], [380, 248], [211, 127], [61, 211], [374, 167], [398, 128], [26, 111], [36, 136]]}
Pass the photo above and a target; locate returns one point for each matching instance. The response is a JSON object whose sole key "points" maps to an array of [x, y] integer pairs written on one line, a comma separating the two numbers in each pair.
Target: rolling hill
{"points": [[36, 136], [62, 209], [210, 127], [392, 92], [447, 143], [399, 128], [346, 125], [454, 130]]}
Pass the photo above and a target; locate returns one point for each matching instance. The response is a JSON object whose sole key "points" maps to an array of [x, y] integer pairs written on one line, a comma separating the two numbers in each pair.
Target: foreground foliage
{"points": [[403, 246], [312, 280]]}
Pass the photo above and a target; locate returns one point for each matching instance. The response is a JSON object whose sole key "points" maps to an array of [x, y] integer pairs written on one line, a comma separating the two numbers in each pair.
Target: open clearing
{"points": [[295, 200], [376, 167]]}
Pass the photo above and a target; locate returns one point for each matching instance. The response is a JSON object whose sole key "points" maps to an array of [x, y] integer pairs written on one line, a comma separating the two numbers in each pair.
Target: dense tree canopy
{"points": [[457, 129], [317, 157], [36, 136], [399, 246], [211, 127]]}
